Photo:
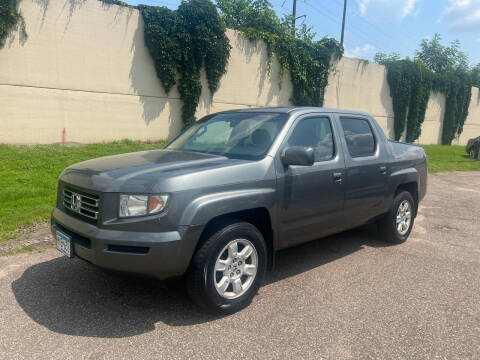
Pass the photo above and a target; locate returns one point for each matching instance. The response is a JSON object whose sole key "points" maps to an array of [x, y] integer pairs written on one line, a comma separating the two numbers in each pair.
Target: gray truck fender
{"points": [[400, 177], [207, 207], [403, 176]]}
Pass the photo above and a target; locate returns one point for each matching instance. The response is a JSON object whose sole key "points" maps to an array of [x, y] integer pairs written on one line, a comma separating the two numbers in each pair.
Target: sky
{"points": [[384, 25]]}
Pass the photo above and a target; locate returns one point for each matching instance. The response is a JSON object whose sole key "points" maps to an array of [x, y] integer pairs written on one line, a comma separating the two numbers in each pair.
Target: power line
{"points": [[402, 30], [388, 35], [326, 12], [362, 30], [334, 20]]}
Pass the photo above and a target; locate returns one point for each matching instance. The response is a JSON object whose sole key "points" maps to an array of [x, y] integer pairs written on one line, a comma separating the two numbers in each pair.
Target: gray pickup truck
{"points": [[237, 186]]}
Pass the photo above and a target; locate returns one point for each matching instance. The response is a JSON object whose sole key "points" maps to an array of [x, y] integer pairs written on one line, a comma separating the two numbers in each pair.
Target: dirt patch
{"points": [[37, 236]]}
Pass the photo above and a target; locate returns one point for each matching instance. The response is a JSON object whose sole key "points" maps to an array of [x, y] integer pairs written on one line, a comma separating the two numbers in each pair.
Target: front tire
{"points": [[396, 225], [228, 269]]}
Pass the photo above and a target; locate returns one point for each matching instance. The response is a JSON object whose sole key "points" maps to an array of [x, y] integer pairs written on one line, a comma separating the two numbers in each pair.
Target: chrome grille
{"points": [[86, 205]]}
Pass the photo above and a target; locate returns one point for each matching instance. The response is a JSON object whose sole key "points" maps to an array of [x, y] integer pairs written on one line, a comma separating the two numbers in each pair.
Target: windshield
{"points": [[239, 135]]}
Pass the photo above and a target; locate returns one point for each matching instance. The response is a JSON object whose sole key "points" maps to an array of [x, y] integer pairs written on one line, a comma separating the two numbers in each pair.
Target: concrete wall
{"points": [[472, 125], [85, 68], [433, 124], [358, 85]]}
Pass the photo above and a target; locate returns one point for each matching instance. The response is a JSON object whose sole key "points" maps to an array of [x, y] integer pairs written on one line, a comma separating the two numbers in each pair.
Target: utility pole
{"points": [[294, 17], [343, 22]]}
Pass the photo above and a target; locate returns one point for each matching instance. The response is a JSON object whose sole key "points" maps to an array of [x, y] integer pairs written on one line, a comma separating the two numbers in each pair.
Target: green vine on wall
{"points": [[183, 41], [307, 60], [309, 66], [10, 18], [410, 85], [457, 87], [194, 34]]}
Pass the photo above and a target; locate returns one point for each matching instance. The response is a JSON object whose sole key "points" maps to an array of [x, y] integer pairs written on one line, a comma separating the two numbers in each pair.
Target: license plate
{"points": [[64, 244]]}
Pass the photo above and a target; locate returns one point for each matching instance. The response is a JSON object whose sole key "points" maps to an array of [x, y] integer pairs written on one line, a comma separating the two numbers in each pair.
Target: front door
{"points": [[311, 197]]}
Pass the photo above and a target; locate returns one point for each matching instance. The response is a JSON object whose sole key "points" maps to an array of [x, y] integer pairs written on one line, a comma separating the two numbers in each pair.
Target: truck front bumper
{"points": [[158, 254]]}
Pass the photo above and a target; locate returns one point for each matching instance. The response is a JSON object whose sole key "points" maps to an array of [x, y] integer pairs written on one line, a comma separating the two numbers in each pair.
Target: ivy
{"points": [[419, 96], [9, 19], [457, 87], [307, 60], [399, 81], [410, 85], [309, 65], [160, 30], [183, 41]]}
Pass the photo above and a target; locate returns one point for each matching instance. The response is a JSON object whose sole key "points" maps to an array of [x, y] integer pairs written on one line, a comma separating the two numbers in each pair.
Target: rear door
{"points": [[311, 197], [366, 169]]}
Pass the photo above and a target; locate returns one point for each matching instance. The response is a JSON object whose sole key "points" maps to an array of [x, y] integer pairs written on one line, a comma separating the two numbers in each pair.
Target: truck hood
{"points": [[152, 171]]}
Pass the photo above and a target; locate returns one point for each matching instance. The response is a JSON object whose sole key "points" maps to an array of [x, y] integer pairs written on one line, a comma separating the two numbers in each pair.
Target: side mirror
{"points": [[298, 155]]}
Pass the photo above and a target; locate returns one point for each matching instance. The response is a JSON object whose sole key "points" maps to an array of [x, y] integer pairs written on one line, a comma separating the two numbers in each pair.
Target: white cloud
{"points": [[360, 51], [362, 5], [401, 8], [408, 7], [462, 15]]}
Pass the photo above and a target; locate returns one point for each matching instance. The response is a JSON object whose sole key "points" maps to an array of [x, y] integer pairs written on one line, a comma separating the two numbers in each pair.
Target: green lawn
{"points": [[28, 175], [449, 158], [28, 178]]}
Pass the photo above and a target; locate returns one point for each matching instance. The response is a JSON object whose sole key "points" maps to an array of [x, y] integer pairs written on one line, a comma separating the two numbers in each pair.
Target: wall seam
{"points": [[89, 91]]}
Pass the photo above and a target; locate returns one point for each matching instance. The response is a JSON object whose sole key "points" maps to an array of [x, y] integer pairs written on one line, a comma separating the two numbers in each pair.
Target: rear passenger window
{"points": [[315, 132], [359, 137]]}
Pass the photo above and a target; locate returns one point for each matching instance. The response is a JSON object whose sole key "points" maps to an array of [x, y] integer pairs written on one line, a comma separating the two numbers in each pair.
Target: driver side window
{"points": [[315, 132]]}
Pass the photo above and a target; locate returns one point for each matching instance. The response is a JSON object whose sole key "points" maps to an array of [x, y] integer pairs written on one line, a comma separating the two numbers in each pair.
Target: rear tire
{"points": [[474, 153], [396, 225], [227, 270]]}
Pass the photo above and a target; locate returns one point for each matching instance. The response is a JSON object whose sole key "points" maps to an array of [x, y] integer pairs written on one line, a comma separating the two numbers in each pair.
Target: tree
{"points": [[440, 58], [476, 75], [383, 58], [249, 14]]}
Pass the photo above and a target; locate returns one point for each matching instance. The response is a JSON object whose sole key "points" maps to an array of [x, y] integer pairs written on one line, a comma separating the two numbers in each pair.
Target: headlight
{"points": [[137, 205]]}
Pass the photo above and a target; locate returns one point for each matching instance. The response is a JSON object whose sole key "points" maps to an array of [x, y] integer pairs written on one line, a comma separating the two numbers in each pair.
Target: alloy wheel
{"points": [[235, 268], [404, 217]]}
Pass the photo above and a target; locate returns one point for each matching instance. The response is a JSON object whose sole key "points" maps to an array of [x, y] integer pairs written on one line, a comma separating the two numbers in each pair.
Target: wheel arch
{"points": [[407, 179], [259, 217], [412, 188]]}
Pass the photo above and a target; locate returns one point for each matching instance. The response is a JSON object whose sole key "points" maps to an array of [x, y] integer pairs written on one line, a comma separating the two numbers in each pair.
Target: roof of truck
{"points": [[299, 109]]}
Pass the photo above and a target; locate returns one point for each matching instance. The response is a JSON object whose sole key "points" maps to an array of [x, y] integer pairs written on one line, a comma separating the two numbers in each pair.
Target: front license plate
{"points": [[64, 244]]}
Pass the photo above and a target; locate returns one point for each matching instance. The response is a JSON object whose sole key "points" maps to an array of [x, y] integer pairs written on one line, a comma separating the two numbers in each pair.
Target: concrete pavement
{"points": [[349, 296]]}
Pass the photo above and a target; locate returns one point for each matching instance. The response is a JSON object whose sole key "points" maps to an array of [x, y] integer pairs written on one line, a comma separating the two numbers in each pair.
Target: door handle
{"points": [[338, 177], [383, 170]]}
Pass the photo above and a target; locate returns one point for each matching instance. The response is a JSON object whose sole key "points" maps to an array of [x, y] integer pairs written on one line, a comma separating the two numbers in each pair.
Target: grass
{"points": [[449, 158], [22, 249], [29, 175]]}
